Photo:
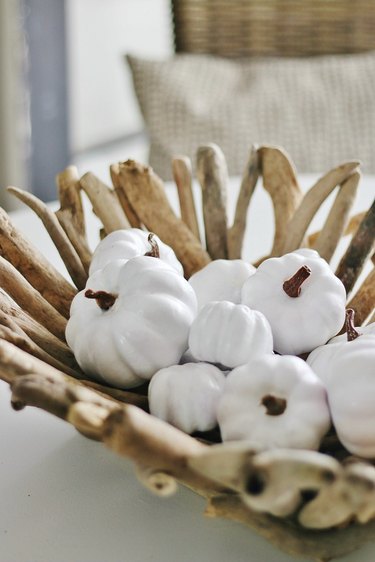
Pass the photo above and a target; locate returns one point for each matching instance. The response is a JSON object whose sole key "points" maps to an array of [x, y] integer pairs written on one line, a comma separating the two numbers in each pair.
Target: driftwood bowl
{"points": [[314, 504]]}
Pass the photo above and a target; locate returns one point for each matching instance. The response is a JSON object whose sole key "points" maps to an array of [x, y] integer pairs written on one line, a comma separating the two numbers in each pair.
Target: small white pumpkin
{"points": [[322, 358], [221, 280], [186, 395], [127, 244], [274, 402], [301, 298], [229, 334], [351, 397], [132, 320], [347, 367]]}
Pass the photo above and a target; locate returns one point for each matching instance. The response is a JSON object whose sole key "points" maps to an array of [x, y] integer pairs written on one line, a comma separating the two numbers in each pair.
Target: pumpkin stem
{"points": [[351, 332], [274, 406], [103, 299], [292, 286], [154, 252]]}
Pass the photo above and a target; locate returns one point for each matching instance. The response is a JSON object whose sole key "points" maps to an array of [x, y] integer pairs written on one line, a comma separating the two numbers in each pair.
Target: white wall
{"points": [[100, 32], [14, 123]]}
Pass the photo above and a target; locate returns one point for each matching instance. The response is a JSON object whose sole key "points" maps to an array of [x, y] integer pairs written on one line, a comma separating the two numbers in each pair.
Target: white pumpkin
{"points": [[274, 402], [132, 320], [301, 298], [347, 367], [229, 334], [351, 397], [367, 330], [127, 244], [322, 359], [221, 280], [186, 395]]}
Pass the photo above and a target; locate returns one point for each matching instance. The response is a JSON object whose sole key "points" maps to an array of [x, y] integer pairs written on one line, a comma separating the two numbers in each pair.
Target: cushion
{"points": [[320, 109]]}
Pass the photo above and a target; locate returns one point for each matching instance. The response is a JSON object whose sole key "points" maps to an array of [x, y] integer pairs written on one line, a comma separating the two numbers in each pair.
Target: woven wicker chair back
{"points": [[242, 28]]}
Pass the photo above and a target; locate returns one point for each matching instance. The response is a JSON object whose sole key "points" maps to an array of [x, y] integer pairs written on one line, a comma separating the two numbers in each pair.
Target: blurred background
{"points": [[298, 73], [65, 91]]}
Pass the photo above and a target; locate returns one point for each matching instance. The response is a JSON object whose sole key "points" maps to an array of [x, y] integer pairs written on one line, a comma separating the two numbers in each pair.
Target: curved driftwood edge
{"points": [[71, 215], [163, 454], [287, 536], [30, 300], [360, 249], [236, 232], [212, 174], [105, 203], [146, 194], [183, 178], [363, 301], [338, 217], [123, 198], [311, 202], [31, 263], [57, 234], [280, 181]]}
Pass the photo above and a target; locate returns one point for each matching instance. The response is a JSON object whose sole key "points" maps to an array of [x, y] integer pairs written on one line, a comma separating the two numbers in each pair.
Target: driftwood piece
{"points": [[212, 174], [56, 394], [363, 302], [125, 429], [339, 503], [57, 233], [277, 478], [183, 175], [146, 194], [68, 187], [38, 333], [123, 198], [365, 473], [360, 249], [15, 362], [312, 201], [125, 396], [87, 418], [338, 218], [280, 181], [352, 226], [151, 442], [30, 300], [11, 332], [17, 366], [105, 203], [46, 341], [289, 537], [71, 215], [249, 180], [271, 481], [34, 266], [158, 482]]}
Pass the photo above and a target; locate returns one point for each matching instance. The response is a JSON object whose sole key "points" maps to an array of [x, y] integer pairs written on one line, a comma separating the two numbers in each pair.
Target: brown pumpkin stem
{"points": [[351, 332], [292, 286], [274, 406], [103, 299], [154, 252]]}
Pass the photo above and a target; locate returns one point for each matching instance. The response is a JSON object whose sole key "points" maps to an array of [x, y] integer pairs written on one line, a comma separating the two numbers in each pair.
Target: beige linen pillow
{"points": [[320, 109]]}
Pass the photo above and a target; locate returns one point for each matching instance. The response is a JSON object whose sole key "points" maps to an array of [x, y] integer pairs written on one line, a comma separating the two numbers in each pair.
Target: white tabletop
{"points": [[65, 498]]}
